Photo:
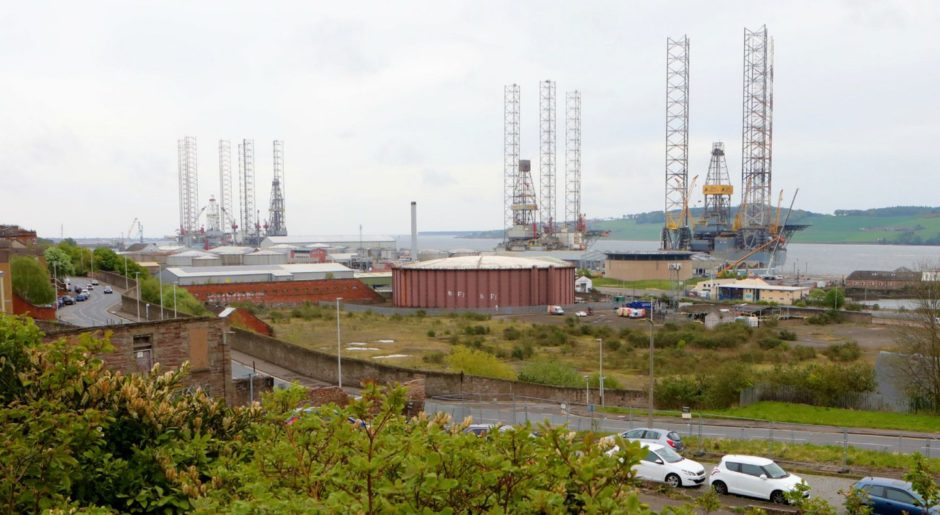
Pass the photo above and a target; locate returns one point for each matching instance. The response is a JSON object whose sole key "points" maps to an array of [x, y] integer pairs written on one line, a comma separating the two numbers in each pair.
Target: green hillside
{"points": [[894, 225]]}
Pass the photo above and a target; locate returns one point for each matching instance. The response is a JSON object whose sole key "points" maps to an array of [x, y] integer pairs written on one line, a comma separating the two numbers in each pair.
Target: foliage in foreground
{"points": [[76, 435]]}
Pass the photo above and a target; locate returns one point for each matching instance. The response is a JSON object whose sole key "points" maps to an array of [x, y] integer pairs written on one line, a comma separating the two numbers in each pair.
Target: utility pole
{"points": [[600, 348], [160, 278], [649, 416], [339, 349], [137, 287]]}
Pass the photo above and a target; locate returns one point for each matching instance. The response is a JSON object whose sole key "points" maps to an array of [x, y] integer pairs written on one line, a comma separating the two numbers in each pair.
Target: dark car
{"points": [[68, 300], [888, 496], [107, 289], [81, 297]]}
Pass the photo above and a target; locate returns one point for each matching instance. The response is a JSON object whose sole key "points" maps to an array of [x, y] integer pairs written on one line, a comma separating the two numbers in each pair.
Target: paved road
{"points": [[94, 311], [517, 413]]}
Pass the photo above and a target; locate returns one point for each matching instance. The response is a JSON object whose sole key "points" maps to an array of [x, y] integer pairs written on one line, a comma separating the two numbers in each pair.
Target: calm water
{"points": [[812, 259]]}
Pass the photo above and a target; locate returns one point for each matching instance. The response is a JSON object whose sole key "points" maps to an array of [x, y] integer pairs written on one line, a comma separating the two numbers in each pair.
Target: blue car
{"points": [[81, 297], [888, 496]]}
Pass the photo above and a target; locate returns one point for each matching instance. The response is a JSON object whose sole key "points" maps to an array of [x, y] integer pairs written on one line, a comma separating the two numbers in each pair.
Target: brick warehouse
{"points": [[137, 347], [284, 293]]}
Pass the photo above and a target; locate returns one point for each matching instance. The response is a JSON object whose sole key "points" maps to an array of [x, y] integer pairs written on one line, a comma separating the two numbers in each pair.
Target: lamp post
{"points": [[137, 288], [339, 350], [600, 377], [160, 278], [174, 299], [126, 285], [649, 416], [587, 390]]}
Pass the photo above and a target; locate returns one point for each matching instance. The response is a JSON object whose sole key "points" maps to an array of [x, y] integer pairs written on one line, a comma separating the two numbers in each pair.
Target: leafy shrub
{"points": [[420, 313], [770, 342], [552, 373], [547, 335], [610, 383], [803, 352], [476, 329], [676, 392], [612, 344], [478, 363], [476, 317], [786, 335], [431, 333], [512, 333], [843, 352], [31, 281], [828, 384], [434, 357]]}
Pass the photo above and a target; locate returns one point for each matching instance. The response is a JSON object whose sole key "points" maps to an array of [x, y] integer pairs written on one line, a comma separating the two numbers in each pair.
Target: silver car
{"points": [[663, 437]]}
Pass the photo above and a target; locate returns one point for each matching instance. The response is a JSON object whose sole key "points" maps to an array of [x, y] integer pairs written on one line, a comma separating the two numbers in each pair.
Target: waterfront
{"points": [[816, 260]]}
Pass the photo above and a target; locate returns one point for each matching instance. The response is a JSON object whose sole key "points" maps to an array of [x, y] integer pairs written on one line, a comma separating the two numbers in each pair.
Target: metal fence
{"points": [[869, 401]]}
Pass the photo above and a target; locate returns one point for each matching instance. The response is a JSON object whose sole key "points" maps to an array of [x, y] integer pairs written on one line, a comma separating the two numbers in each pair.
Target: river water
{"points": [[816, 260]]}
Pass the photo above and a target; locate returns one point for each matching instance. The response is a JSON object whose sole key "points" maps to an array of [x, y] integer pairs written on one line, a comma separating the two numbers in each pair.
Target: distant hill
{"points": [[901, 225]]}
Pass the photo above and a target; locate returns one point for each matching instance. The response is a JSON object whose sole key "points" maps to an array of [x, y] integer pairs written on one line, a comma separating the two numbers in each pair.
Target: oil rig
{"points": [[754, 236], [530, 220]]}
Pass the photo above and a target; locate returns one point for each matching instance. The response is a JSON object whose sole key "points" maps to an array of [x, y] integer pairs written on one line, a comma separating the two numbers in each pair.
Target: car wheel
{"points": [[673, 481], [720, 488], [777, 497]]}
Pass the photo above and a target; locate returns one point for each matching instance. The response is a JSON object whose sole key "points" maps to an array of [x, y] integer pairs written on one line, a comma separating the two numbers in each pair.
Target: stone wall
{"points": [[284, 293], [322, 367], [200, 341], [244, 393]]}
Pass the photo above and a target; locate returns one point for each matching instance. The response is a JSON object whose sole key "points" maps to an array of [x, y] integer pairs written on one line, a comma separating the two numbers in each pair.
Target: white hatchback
{"points": [[754, 477], [664, 465]]}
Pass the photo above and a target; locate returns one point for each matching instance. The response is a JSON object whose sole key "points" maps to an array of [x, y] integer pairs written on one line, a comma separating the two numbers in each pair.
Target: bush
{"points": [[769, 342], [786, 335], [431, 333], [676, 392], [523, 351], [511, 333], [843, 352], [31, 282], [551, 373], [803, 353], [828, 384], [547, 335], [434, 357], [476, 330], [478, 363], [610, 383]]}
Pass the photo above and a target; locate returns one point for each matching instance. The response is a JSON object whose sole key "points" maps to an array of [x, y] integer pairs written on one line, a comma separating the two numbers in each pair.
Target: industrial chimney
{"points": [[414, 231]]}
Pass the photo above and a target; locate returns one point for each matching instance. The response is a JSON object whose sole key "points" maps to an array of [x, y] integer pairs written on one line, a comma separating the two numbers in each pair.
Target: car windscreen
{"points": [[774, 471], [668, 455], [674, 436]]}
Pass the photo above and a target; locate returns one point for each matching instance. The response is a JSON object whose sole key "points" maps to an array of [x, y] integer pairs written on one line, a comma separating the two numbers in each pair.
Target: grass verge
{"points": [[808, 453], [806, 414]]}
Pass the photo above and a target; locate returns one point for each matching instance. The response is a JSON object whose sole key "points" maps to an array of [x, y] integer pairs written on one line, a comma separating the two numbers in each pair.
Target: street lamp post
{"points": [[339, 350], [587, 390], [160, 278], [649, 416], [126, 285], [174, 300], [600, 378], [137, 288]]}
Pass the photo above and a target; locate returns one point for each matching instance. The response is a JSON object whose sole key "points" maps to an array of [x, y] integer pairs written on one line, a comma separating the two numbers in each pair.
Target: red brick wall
{"points": [[172, 343], [246, 320], [284, 293], [21, 307]]}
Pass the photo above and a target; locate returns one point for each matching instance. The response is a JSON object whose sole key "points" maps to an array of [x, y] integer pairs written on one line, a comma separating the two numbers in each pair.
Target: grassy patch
{"points": [[805, 414], [649, 284], [807, 453]]}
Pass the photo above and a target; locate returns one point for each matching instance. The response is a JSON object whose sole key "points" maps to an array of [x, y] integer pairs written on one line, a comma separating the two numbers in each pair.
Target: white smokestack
{"points": [[414, 231]]}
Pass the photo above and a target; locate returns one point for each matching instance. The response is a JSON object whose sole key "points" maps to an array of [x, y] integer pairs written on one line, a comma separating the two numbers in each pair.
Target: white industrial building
{"points": [[187, 275], [336, 241]]}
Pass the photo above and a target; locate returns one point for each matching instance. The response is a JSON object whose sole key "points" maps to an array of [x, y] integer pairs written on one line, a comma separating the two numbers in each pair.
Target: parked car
{"points": [[556, 310], [90, 287], [890, 496], [78, 289], [67, 301], [482, 429], [94, 282], [752, 476], [653, 435], [664, 465], [107, 289], [81, 297]]}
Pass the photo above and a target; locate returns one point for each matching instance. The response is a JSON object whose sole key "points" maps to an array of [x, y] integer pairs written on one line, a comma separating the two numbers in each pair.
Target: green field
{"points": [[823, 229]]}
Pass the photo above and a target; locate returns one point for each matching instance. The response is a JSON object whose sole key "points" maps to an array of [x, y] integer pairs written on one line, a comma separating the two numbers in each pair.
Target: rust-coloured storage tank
{"points": [[483, 282]]}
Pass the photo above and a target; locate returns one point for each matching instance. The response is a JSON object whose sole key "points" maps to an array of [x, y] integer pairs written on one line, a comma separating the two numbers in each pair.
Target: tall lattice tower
{"points": [[246, 179], [573, 161], [510, 152], [757, 135], [277, 223], [547, 155], [676, 233], [716, 217], [188, 188], [227, 215]]}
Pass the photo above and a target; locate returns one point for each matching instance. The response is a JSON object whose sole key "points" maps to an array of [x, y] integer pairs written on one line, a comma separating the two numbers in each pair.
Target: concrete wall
{"points": [[321, 366], [643, 270], [116, 280], [198, 340]]}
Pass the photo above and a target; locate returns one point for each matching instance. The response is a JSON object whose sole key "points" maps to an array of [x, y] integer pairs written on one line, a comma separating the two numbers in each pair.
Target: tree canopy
{"points": [[30, 281]]}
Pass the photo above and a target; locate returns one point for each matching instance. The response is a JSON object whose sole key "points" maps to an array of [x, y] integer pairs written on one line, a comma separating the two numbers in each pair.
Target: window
{"points": [[673, 436], [874, 490], [751, 470], [652, 435], [733, 467], [636, 433], [143, 352], [899, 495], [651, 457]]}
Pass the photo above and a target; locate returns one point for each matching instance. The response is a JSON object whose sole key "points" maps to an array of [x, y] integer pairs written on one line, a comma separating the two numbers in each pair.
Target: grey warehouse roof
{"points": [[488, 263], [275, 270]]}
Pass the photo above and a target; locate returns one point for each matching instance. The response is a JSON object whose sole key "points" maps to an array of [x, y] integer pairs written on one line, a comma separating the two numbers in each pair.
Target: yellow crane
{"points": [[775, 227]]}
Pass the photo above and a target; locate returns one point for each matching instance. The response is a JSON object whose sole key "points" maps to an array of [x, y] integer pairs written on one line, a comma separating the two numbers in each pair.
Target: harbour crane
{"points": [[140, 231]]}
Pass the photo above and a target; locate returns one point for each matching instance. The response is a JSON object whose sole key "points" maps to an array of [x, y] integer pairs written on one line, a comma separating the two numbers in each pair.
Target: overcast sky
{"points": [[382, 103]]}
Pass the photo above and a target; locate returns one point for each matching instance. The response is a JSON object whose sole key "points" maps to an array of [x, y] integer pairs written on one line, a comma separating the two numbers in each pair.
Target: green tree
{"points": [[922, 482], [856, 501], [478, 363], [834, 299], [58, 262], [31, 282]]}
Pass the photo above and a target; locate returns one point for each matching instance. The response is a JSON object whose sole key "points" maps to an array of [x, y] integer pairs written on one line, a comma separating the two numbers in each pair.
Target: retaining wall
{"points": [[322, 367]]}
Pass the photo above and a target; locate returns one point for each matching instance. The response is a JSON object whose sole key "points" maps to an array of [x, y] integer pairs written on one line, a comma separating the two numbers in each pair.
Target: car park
{"points": [[664, 465], [652, 435], [107, 289], [752, 476], [888, 496]]}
